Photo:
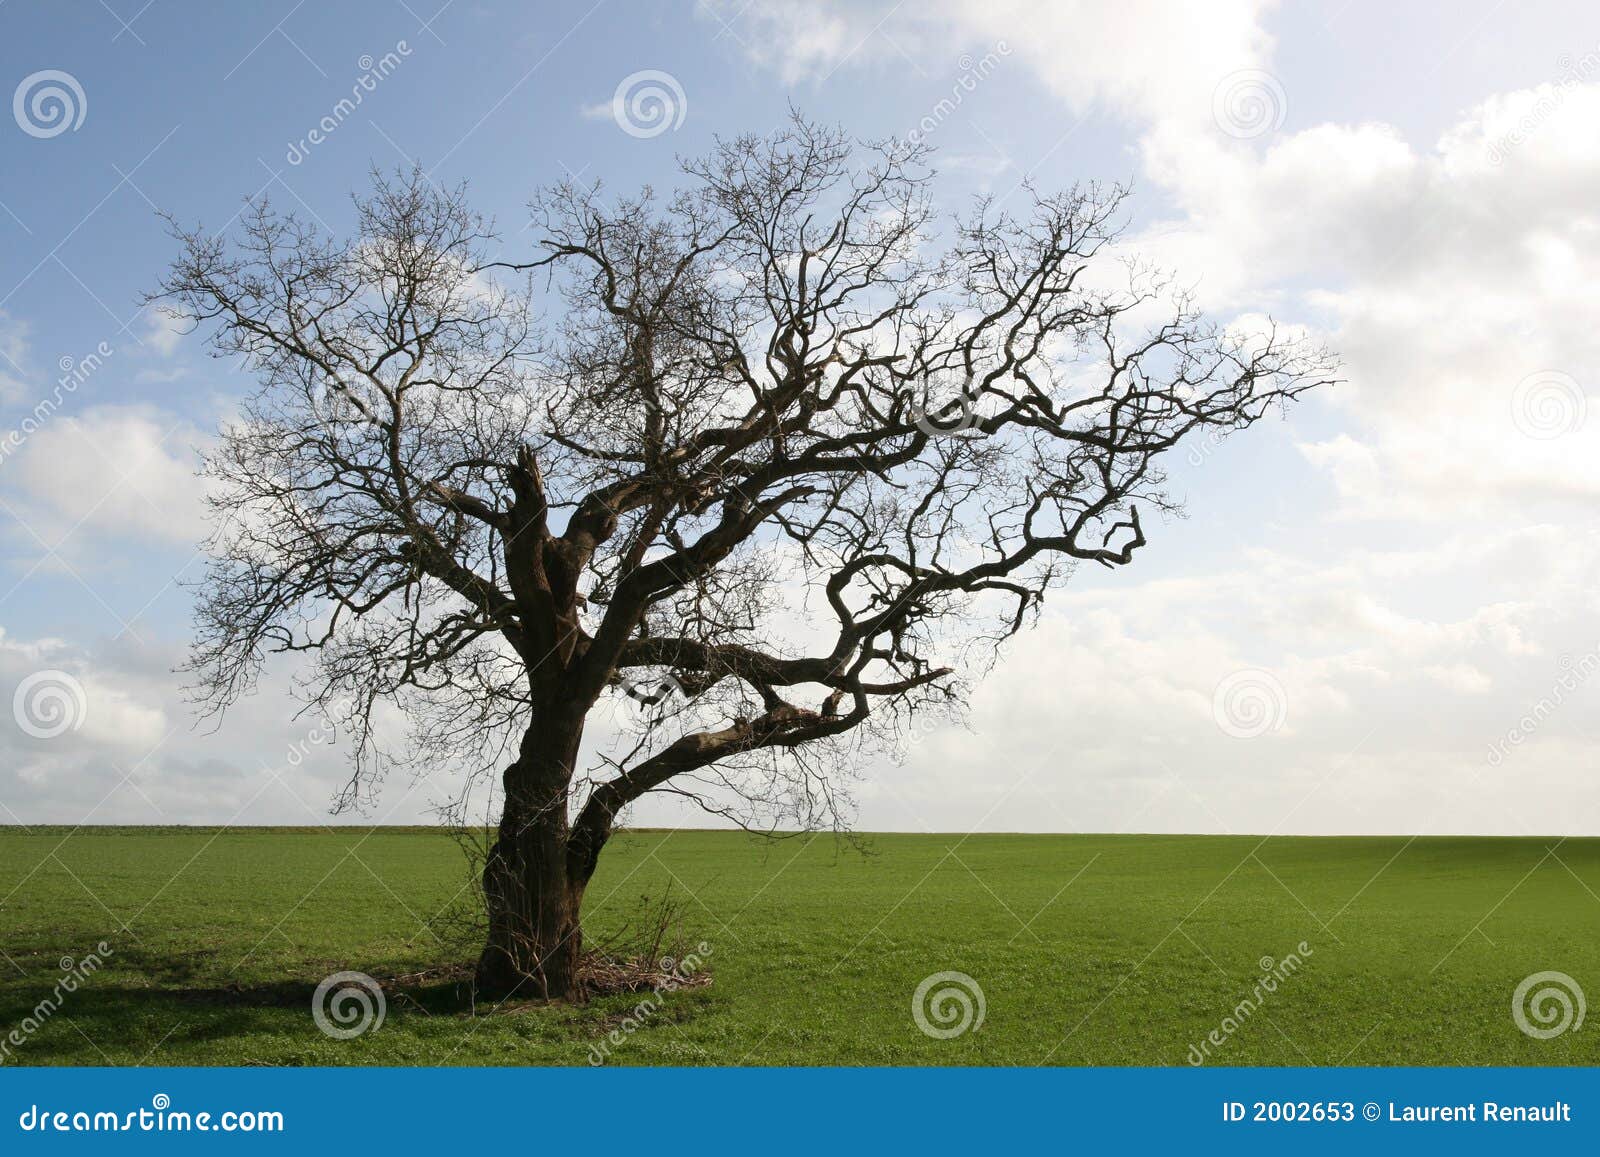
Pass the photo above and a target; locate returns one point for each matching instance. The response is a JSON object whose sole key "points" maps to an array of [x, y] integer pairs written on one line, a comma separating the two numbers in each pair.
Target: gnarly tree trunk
{"points": [[535, 939], [677, 460]]}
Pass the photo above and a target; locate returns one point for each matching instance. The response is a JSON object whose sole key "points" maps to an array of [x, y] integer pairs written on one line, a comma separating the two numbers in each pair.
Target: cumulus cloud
{"points": [[1279, 695], [116, 471], [103, 733], [1460, 283], [70, 725], [1429, 591], [1148, 58], [1438, 589], [164, 331], [1458, 276], [54, 694]]}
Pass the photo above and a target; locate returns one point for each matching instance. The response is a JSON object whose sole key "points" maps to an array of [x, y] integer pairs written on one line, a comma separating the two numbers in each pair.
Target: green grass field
{"points": [[1088, 949]]}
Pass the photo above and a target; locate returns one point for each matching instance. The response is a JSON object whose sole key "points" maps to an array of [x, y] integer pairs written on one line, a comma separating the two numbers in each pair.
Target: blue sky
{"points": [[1406, 570], [190, 110]]}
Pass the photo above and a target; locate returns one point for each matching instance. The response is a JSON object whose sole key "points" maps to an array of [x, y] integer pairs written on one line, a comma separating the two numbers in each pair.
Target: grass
{"points": [[1089, 949]]}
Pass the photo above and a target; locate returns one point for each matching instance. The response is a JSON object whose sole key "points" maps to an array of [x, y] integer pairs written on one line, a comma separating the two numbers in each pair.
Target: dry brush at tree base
{"points": [[490, 492]]}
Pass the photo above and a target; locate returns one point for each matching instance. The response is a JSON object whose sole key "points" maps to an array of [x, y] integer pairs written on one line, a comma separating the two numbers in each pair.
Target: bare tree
{"points": [[787, 447]]}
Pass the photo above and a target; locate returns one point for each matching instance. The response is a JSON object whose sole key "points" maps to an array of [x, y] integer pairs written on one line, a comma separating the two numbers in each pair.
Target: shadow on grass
{"points": [[136, 1017], [440, 996]]}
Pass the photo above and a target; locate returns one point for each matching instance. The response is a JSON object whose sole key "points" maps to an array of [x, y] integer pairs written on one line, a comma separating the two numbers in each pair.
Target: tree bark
{"points": [[535, 939]]}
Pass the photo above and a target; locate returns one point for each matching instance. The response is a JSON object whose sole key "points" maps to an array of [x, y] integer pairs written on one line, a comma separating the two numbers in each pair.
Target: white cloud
{"points": [[1461, 283], [1420, 613], [1438, 595], [112, 470], [1148, 58], [164, 331], [800, 41], [13, 355], [1450, 275], [1463, 677], [79, 708], [1102, 719], [135, 755]]}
